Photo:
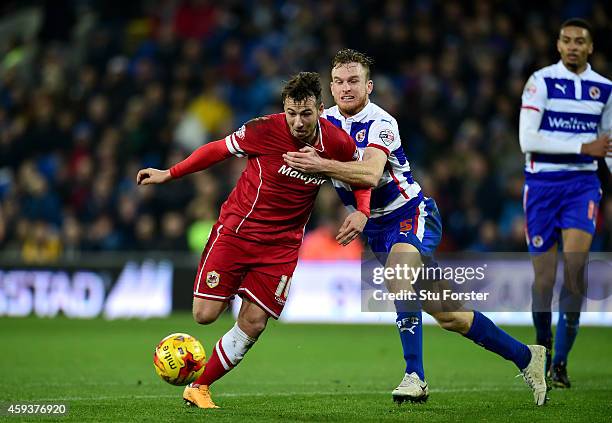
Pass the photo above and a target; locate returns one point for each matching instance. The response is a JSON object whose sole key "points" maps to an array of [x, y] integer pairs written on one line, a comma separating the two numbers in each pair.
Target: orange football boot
{"points": [[198, 396]]}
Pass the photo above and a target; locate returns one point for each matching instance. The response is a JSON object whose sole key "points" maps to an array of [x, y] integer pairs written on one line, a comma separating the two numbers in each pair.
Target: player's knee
{"points": [[205, 316], [544, 282]]}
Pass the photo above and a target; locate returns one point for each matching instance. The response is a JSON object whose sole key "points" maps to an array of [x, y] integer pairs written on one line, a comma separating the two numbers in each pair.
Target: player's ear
{"points": [[321, 108], [370, 87]]}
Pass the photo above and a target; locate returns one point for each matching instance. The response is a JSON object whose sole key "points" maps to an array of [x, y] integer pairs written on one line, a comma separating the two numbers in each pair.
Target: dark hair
{"points": [[348, 55], [580, 23], [302, 86]]}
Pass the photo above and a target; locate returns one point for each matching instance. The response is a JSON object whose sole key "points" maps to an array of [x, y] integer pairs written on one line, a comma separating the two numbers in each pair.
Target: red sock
{"points": [[215, 368], [227, 354]]}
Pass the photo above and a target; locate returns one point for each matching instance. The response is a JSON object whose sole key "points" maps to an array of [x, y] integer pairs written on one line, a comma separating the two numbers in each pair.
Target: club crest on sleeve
{"points": [[212, 279], [594, 93], [386, 136]]}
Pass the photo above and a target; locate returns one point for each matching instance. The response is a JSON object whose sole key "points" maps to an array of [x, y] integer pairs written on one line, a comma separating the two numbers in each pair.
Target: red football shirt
{"points": [[272, 202]]}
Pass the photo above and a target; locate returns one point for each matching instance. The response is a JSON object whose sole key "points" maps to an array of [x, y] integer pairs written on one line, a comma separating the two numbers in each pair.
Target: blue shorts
{"points": [[559, 200], [416, 224]]}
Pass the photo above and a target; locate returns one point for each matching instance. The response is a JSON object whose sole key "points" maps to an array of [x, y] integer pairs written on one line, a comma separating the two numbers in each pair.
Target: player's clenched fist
{"points": [[152, 176]]}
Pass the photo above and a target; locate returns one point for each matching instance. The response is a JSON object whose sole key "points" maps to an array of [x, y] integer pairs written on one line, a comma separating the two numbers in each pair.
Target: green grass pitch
{"points": [[104, 372]]}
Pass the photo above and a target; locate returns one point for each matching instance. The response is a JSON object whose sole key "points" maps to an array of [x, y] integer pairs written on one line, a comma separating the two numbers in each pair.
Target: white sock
{"points": [[235, 344]]}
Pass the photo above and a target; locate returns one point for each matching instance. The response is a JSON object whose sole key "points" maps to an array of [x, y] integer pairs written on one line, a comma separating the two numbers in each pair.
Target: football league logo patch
{"points": [[212, 279], [530, 90], [386, 136], [594, 93]]}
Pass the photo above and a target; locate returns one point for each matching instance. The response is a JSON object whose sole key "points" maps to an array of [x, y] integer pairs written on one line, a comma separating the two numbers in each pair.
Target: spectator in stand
{"points": [[79, 114]]}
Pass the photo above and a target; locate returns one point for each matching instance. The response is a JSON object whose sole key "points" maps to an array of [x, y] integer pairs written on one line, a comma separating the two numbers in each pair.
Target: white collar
{"points": [[571, 74], [359, 116]]}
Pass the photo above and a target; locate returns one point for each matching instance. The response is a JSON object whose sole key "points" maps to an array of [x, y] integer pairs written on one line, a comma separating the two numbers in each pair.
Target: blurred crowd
{"points": [[91, 91]]}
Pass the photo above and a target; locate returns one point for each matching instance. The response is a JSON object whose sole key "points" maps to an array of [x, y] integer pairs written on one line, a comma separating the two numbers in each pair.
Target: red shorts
{"points": [[232, 265]]}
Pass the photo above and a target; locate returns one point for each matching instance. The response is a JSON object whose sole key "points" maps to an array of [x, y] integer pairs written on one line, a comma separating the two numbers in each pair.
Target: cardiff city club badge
{"points": [[212, 279], [594, 92]]}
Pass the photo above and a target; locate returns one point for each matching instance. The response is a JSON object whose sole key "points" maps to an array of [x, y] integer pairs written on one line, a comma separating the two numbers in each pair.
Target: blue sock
{"points": [[542, 322], [567, 329], [410, 327], [486, 334]]}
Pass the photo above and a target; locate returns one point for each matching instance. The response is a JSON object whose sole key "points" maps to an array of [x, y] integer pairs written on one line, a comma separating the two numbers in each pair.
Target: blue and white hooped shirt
{"points": [[574, 109], [374, 127]]}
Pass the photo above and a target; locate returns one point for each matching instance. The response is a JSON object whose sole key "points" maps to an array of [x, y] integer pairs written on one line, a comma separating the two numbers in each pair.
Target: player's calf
{"points": [[454, 321], [229, 351], [252, 319]]}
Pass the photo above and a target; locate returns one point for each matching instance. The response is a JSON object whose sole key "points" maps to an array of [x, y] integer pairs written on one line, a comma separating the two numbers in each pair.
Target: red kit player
{"points": [[253, 248]]}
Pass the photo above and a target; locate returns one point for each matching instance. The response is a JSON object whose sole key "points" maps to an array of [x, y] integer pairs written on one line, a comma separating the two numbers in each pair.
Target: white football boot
{"points": [[412, 389], [534, 373]]}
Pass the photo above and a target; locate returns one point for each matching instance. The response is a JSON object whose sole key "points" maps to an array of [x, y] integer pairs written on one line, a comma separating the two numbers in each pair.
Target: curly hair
{"points": [[302, 86]]}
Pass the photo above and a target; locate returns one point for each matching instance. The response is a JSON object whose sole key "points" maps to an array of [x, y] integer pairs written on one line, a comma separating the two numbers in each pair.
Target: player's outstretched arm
{"points": [[202, 158], [364, 173]]}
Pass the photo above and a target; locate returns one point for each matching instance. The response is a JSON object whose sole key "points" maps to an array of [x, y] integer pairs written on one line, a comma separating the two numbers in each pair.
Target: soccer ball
{"points": [[179, 359]]}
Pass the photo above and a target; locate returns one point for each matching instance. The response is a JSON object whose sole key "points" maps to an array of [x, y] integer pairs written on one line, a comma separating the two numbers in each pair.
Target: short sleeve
{"points": [[232, 142], [349, 151], [534, 94], [384, 135], [247, 139], [340, 145]]}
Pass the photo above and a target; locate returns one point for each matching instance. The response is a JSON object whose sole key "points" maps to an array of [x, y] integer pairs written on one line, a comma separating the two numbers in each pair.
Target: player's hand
{"points": [[152, 176], [601, 147], [351, 228], [306, 160]]}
